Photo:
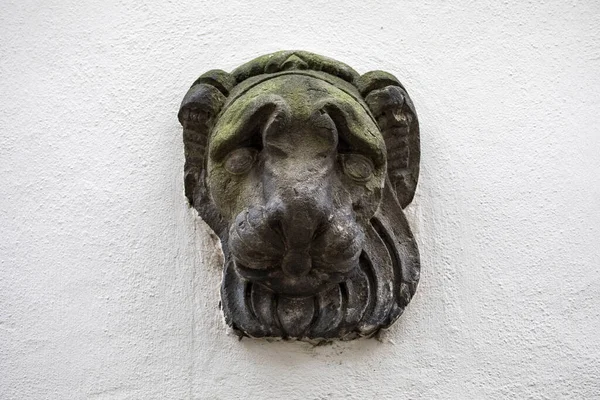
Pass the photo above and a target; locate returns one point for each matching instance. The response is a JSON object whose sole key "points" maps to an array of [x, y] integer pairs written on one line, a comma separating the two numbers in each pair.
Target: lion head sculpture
{"points": [[302, 167]]}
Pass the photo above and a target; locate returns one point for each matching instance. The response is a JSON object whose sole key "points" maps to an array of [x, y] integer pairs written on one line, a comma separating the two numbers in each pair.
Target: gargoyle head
{"points": [[302, 167]]}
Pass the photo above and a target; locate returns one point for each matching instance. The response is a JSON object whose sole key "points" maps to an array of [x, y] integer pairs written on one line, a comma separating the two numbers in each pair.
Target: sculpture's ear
{"points": [[397, 119], [198, 113]]}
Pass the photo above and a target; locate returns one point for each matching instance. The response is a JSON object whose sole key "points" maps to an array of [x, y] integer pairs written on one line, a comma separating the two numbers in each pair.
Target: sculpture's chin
{"points": [[316, 281]]}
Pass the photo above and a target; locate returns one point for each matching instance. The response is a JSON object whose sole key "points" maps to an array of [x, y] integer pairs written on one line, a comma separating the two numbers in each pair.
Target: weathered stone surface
{"points": [[302, 167]]}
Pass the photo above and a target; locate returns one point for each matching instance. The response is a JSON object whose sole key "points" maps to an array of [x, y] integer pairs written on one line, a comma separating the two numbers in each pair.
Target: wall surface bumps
{"points": [[109, 281]]}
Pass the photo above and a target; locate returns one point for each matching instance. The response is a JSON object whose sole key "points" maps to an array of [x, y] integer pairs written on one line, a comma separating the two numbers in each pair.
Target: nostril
{"points": [[276, 226], [321, 229]]}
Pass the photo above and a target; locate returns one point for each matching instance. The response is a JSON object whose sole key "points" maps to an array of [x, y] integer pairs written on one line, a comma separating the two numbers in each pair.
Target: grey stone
{"points": [[302, 167]]}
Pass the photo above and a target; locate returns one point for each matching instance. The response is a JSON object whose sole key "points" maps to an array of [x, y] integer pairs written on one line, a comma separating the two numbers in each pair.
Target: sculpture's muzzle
{"points": [[298, 242]]}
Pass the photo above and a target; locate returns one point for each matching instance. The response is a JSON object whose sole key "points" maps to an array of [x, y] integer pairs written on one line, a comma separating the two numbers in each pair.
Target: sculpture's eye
{"points": [[239, 161], [357, 167]]}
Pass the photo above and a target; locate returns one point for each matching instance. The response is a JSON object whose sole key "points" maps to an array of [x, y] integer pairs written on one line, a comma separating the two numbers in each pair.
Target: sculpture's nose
{"points": [[299, 162], [300, 214]]}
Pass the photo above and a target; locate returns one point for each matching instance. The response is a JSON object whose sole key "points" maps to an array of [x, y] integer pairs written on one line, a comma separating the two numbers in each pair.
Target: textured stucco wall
{"points": [[109, 282]]}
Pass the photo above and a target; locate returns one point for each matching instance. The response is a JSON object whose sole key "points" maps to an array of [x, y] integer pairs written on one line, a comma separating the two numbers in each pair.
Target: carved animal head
{"points": [[302, 167]]}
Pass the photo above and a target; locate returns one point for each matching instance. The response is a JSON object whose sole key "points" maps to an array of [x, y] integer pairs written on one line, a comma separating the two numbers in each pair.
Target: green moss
{"points": [[304, 94]]}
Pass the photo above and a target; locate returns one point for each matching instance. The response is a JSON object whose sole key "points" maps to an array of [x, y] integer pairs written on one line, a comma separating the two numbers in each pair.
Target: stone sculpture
{"points": [[302, 167]]}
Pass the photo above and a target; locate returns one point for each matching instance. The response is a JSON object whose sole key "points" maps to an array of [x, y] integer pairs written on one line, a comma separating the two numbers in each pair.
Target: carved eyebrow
{"points": [[244, 128], [358, 131]]}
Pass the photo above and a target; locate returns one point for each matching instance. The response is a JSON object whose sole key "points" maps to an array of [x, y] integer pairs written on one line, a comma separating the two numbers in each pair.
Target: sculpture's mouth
{"points": [[278, 281]]}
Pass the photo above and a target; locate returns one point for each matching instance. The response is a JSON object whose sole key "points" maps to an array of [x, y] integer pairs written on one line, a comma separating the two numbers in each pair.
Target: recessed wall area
{"points": [[109, 281]]}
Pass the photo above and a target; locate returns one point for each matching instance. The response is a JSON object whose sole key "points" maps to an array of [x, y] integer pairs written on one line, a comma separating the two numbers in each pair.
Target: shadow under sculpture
{"points": [[302, 167]]}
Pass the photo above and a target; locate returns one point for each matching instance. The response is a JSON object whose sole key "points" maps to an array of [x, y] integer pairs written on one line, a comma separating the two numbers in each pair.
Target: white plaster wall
{"points": [[109, 282]]}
